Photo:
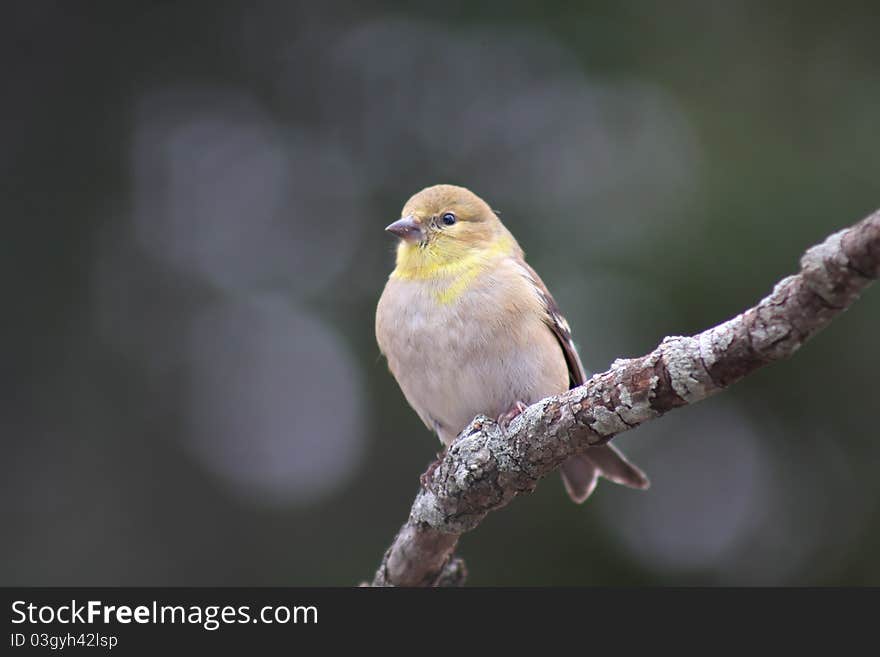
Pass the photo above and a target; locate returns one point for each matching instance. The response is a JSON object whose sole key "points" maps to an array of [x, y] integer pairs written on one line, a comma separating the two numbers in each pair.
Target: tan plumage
{"points": [[468, 327]]}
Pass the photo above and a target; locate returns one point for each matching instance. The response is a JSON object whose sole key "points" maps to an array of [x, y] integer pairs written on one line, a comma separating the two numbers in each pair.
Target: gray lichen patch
{"points": [[425, 510], [688, 377], [770, 331], [636, 405], [607, 423], [822, 266]]}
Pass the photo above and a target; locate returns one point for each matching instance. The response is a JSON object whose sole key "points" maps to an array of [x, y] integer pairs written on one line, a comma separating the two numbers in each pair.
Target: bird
{"points": [[468, 328]]}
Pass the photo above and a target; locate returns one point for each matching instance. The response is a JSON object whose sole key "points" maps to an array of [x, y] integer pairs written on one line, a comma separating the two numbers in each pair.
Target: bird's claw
{"points": [[512, 413], [427, 476]]}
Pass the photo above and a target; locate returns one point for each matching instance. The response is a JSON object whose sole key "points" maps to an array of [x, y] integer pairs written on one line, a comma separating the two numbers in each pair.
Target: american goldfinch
{"points": [[469, 328]]}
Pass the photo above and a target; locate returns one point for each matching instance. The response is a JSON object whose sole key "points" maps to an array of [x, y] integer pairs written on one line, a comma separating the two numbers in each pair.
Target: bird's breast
{"points": [[484, 348]]}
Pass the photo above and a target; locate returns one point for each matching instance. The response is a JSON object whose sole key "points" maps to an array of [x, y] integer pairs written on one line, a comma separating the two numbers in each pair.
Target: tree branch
{"points": [[485, 468]]}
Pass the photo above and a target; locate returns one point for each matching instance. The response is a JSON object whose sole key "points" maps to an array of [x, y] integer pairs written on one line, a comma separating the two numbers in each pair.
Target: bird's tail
{"points": [[580, 473]]}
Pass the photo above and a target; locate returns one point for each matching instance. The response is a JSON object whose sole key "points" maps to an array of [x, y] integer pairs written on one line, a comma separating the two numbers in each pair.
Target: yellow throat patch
{"points": [[452, 268]]}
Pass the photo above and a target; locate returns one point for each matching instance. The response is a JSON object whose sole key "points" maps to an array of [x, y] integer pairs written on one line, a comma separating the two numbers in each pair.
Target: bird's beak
{"points": [[407, 228]]}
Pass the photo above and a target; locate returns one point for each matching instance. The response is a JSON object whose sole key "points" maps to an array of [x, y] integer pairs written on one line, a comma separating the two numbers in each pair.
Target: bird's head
{"points": [[444, 225]]}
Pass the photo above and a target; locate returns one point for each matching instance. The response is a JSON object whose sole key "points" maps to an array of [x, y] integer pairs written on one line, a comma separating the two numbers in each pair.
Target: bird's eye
{"points": [[448, 218]]}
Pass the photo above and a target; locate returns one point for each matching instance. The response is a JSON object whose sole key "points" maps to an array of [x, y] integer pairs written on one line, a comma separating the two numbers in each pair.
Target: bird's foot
{"points": [[513, 412], [428, 475]]}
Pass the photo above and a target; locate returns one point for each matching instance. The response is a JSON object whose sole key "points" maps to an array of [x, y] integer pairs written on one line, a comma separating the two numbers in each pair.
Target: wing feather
{"points": [[556, 321]]}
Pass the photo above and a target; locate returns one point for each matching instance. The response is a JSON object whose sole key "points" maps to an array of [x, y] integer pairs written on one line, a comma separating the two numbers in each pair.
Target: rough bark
{"points": [[486, 467]]}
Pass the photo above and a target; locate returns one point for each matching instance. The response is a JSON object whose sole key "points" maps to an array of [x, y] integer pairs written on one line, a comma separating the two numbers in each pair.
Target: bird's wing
{"points": [[580, 472], [576, 373]]}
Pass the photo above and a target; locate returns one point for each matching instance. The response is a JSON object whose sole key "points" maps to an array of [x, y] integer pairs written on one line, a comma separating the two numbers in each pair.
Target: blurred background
{"points": [[193, 197]]}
